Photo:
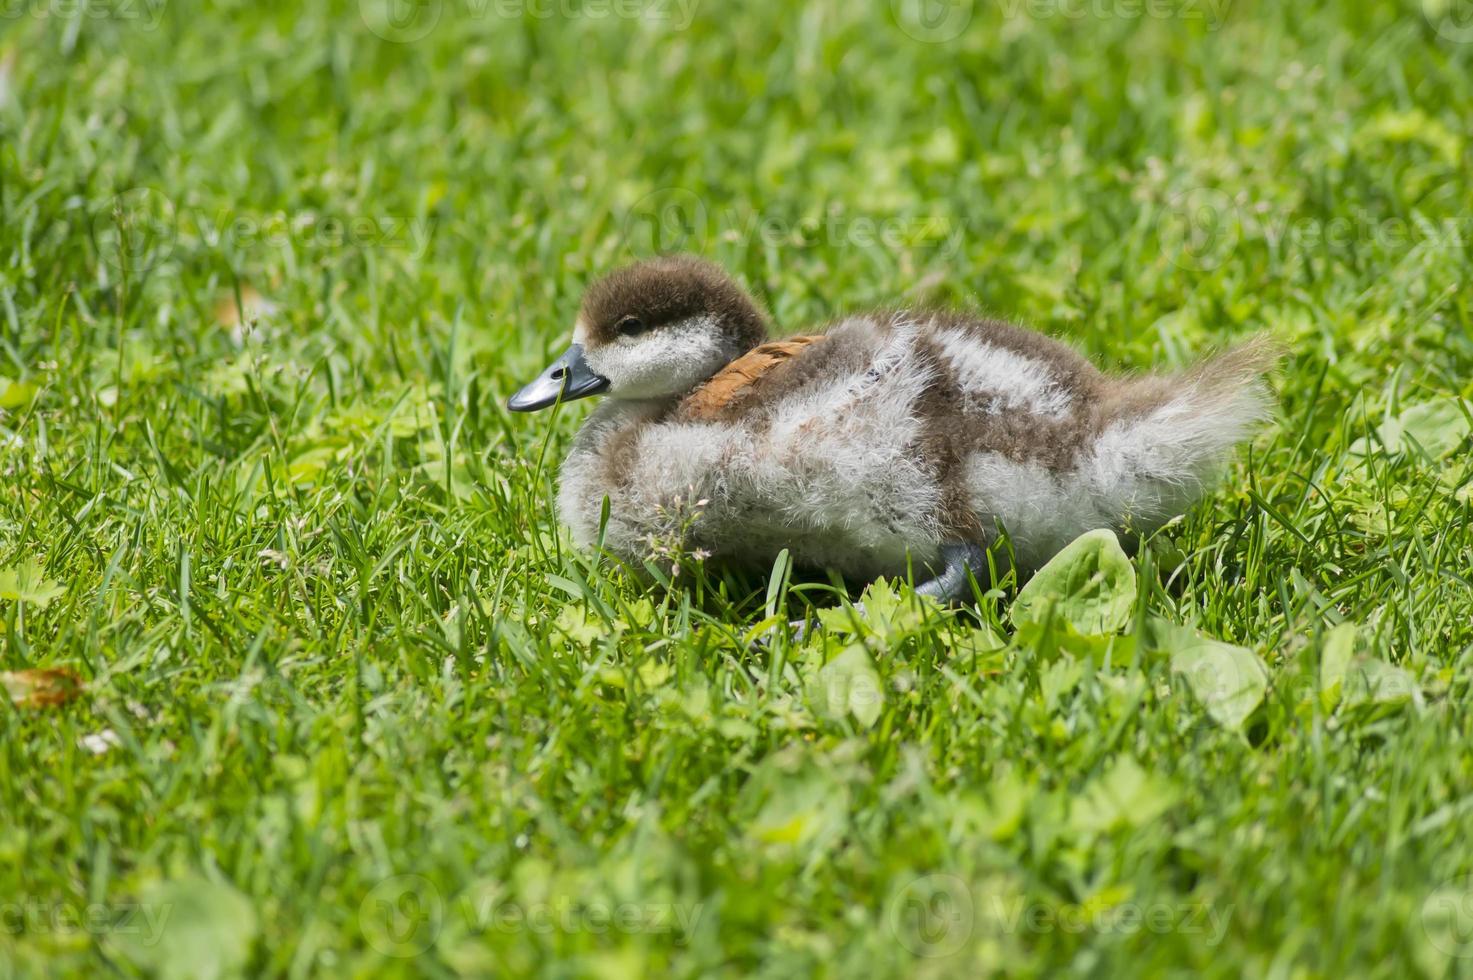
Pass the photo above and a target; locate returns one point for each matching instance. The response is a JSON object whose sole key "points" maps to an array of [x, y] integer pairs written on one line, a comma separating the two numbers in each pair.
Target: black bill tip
{"points": [[568, 378]]}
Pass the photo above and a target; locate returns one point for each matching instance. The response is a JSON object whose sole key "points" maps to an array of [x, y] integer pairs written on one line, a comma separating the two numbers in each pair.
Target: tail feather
{"points": [[1166, 438]]}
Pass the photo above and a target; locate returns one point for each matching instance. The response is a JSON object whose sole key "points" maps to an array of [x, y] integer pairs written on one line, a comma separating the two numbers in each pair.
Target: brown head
{"points": [[655, 329]]}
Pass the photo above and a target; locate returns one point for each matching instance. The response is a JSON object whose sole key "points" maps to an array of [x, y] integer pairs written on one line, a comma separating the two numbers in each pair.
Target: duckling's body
{"points": [[892, 441]]}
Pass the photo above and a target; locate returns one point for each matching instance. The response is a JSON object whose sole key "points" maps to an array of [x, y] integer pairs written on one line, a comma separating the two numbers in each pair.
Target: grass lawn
{"points": [[353, 706]]}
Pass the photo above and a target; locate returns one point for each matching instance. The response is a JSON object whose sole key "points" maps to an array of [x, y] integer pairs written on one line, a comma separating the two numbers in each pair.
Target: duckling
{"points": [[892, 442]]}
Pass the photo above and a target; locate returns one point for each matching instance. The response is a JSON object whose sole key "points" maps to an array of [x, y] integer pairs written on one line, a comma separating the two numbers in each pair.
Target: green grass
{"points": [[372, 715]]}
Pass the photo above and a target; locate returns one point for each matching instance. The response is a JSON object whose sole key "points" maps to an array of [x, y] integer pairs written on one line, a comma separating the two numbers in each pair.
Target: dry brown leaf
{"points": [[7, 73], [44, 687], [252, 304]]}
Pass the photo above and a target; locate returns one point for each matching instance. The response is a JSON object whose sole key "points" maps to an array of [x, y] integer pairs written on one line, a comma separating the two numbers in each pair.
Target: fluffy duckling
{"points": [[890, 441]]}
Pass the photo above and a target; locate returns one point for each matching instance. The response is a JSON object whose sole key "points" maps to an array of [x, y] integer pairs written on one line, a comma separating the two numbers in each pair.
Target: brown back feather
{"points": [[711, 401]]}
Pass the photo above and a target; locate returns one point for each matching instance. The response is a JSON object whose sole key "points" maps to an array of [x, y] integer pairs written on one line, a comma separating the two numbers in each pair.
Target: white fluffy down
{"points": [[835, 476], [998, 380], [670, 362], [1136, 476]]}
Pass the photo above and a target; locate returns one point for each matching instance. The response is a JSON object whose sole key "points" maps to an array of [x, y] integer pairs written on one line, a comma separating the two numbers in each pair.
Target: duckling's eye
{"points": [[631, 326]]}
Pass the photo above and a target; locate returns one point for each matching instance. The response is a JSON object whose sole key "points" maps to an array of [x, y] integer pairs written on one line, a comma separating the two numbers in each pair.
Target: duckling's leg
{"points": [[952, 584]]}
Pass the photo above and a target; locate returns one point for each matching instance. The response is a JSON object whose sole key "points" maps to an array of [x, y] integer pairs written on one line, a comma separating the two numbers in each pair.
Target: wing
{"points": [[723, 393]]}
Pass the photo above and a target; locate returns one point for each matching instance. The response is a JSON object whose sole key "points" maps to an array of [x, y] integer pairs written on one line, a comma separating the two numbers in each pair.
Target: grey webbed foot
{"points": [[952, 584]]}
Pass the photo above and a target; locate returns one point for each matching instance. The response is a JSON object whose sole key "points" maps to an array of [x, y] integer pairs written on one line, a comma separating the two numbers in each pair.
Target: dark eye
{"points": [[631, 326]]}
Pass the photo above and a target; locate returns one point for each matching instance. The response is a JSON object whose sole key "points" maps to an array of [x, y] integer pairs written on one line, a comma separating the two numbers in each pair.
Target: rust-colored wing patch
{"points": [[712, 399]]}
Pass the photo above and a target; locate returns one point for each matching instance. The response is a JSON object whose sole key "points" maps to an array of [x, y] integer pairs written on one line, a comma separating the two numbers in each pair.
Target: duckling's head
{"points": [[653, 330]]}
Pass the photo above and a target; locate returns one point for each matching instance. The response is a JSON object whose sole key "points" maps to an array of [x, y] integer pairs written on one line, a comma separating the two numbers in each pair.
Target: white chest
{"points": [[830, 473]]}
